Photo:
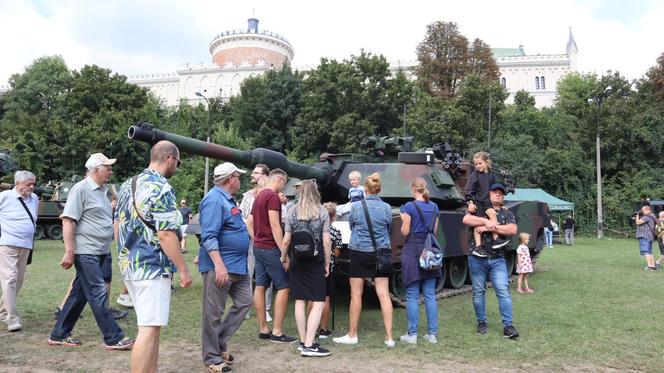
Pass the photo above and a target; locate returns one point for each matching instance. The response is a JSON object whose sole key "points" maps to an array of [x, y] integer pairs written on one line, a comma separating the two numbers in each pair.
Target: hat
{"points": [[97, 160], [226, 169], [497, 186]]}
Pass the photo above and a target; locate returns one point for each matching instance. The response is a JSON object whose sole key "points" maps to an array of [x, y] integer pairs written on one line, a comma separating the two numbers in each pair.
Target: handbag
{"points": [[383, 254], [33, 223], [431, 258]]}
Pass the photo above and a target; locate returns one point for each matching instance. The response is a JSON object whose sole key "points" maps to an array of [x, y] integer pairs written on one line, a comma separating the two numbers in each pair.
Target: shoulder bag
{"points": [[383, 254], [33, 223], [431, 258]]}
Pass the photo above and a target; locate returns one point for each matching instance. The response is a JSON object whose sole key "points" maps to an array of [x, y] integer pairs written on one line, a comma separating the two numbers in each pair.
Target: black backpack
{"points": [[303, 244]]}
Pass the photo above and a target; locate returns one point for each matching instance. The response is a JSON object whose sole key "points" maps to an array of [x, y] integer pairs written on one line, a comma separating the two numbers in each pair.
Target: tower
{"points": [[572, 51]]}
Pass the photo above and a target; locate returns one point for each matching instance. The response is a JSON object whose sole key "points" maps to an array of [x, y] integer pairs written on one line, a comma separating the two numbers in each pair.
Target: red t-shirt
{"points": [[266, 200]]}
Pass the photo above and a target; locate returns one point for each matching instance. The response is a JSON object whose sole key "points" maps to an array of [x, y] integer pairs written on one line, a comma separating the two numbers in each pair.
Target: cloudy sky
{"points": [[137, 36]]}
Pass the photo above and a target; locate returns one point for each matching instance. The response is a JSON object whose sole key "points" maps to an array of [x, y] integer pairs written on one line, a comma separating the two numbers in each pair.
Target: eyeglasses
{"points": [[177, 160]]}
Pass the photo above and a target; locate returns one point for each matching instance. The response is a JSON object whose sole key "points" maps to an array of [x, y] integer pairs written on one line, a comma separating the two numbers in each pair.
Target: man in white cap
{"points": [[87, 225], [222, 260]]}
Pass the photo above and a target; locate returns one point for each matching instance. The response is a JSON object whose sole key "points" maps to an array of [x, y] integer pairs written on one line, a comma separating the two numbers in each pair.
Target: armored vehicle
{"points": [[441, 167]]}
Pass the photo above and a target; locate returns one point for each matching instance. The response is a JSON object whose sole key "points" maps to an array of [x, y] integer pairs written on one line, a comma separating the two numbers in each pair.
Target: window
{"points": [[537, 86], [542, 83], [503, 82]]}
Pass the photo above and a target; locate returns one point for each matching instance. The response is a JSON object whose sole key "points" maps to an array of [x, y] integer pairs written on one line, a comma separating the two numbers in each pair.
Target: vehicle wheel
{"points": [[39, 232], [440, 283], [510, 261], [457, 270], [55, 232], [396, 284]]}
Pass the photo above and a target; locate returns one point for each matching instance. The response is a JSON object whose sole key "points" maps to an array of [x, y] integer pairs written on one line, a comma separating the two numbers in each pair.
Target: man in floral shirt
{"points": [[148, 220]]}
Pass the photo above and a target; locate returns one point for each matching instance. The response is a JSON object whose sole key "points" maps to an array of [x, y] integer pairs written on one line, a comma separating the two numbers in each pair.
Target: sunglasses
{"points": [[177, 159]]}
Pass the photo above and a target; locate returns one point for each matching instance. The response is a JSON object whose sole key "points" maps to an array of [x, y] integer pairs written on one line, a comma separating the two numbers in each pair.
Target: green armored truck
{"points": [[442, 168]]}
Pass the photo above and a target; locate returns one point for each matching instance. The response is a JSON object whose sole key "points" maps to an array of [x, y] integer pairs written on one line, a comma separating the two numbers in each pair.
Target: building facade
{"points": [[240, 54]]}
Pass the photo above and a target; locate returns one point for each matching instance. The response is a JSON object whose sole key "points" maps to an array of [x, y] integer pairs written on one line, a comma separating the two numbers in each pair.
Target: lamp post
{"points": [[599, 99], [488, 138], [207, 160]]}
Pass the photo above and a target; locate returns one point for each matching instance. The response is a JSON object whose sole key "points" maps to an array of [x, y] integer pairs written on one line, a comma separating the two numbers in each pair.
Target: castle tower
{"points": [[572, 51], [250, 47]]}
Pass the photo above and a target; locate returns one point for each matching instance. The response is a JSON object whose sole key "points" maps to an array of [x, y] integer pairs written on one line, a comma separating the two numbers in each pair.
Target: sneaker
{"points": [[412, 339], [300, 346], [124, 344], [125, 300], [482, 328], [267, 335], [324, 333], [431, 338], [478, 251], [117, 314], [282, 339], [14, 327], [657, 265], [268, 318], [650, 269], [390, 343], [315, 350], [56, 313], [510, 332], [220, 368], [69, 342], [346, 340], [500, 243]]}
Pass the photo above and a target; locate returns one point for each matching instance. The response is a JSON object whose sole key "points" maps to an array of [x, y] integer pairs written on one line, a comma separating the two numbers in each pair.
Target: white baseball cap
{"points": [[226, 169], [98, 159]]}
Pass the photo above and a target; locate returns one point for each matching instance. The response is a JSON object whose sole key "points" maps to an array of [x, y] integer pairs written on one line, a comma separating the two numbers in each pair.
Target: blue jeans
{"points": [[430, 305], [548, 234], [88, 287], [481, 270]]}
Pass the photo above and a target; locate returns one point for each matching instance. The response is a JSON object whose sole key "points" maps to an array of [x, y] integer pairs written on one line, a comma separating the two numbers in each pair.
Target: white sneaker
{"points": [[389, 343], [346, 340], [125, 300], [268, 318], [412, 339], [430, 338], [14, 327]]}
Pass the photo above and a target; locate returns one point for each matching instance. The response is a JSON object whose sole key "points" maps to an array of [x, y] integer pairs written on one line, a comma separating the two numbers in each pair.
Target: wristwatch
{"points": [[282, 260]]}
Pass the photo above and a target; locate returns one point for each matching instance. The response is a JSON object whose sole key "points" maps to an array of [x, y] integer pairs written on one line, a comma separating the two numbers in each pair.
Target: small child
{"points": [[477, 199], [524, 265], [356, 192]]}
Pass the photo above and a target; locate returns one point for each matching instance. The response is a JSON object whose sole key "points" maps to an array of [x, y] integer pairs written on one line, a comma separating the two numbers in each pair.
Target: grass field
{"points": [[594, 309]]}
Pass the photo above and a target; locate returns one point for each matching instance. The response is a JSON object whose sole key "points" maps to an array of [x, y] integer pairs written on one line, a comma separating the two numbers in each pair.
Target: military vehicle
{"points": [[442, 168]]}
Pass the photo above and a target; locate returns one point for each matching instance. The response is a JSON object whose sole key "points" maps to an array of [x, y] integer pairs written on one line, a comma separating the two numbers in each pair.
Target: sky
{"points": [[150, 36]]}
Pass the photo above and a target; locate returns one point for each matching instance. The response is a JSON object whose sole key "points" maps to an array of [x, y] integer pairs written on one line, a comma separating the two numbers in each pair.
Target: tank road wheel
{"points": [[510, 261], [440, 283], [55, 232], [39, 232], [457, 270], [397, 289]]}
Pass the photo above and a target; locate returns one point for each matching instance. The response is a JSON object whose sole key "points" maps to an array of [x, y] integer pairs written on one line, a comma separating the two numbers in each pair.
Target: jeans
{"points": [[548, 234], [569, 237], [413, 308], [88, 287], [481, 270]]}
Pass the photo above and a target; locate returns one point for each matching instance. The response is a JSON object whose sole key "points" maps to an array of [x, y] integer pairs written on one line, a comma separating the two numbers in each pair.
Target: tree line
{"points": [[52, 118]]}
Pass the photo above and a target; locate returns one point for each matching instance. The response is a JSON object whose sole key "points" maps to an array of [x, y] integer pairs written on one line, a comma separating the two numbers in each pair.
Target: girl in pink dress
{"points": [[524, 265]]}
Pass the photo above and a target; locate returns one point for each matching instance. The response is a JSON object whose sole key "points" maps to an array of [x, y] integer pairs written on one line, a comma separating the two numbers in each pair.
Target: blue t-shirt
{"points": [[356, 194], [222, 229], [417, 226]]}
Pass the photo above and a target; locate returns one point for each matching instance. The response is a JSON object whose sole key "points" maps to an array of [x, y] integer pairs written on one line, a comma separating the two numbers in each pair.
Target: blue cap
{"points": [[497, 186]]}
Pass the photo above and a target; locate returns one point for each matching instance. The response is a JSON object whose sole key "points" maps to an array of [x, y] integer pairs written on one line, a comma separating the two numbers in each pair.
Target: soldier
{"points": [[87, 224]]}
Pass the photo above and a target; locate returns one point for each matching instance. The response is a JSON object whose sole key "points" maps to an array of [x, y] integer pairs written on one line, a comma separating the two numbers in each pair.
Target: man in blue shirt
{"points": [[222, 260]]}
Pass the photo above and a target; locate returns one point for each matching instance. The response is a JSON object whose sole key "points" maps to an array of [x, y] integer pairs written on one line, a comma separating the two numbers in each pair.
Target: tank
{"points": [[440, 166]]}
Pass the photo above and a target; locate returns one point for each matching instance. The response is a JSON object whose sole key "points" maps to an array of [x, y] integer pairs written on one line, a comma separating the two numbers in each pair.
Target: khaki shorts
{"points": [[152, 300]]}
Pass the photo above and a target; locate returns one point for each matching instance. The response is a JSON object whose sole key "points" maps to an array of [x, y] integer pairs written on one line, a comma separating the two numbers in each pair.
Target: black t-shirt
{"points": [[504, 217], [569, 223], [185, 212]]}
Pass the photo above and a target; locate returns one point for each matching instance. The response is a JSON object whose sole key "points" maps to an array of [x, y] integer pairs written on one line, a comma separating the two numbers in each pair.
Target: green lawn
{"points": [[594, 306]]}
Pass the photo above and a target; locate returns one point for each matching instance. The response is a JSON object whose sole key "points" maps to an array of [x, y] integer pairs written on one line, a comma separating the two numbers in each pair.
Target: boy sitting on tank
{"points": [[355, 193]]}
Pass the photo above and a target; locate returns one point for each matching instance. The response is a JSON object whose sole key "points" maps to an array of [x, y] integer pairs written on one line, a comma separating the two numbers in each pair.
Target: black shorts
{"points": [[481, 208], [363, 264]]}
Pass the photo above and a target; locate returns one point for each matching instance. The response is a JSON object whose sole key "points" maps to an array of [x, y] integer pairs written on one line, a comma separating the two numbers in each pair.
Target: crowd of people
{"points": [[287, 246]]}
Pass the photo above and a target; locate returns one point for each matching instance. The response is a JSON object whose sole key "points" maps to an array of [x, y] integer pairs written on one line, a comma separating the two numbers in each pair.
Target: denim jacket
{"points": [[381, 219]]}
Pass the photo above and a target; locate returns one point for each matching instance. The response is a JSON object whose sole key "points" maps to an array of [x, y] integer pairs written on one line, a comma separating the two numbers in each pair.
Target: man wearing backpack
{"points": [[645, 233], [222, 261]]}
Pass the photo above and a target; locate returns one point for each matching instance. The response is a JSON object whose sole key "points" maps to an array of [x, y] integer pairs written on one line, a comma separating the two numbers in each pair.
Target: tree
{"points": [[446, 58], [656, 77], [523, 99]]}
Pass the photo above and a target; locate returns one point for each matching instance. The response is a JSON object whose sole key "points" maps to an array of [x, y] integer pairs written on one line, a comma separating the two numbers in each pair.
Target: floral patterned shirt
{"points": [[139, 252]]}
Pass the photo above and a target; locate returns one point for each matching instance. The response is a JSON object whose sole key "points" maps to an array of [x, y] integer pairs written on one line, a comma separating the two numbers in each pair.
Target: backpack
{"points": [[303, 244]]}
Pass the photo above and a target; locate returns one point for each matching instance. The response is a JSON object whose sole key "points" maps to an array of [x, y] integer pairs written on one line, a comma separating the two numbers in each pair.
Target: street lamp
{"points": [[599, 99], [207, 160]]}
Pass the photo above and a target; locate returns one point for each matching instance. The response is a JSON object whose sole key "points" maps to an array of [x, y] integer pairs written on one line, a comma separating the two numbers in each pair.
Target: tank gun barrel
{"points": [[248, 159]]}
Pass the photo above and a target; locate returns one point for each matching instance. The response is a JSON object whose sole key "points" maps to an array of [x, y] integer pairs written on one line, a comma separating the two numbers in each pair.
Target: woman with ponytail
{"points": [[415, 227]]}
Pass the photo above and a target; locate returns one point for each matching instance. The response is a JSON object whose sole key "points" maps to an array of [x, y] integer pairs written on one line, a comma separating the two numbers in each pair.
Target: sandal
{"points": [[228, 358], [520, 290], [529, 290], [219, 368]]}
